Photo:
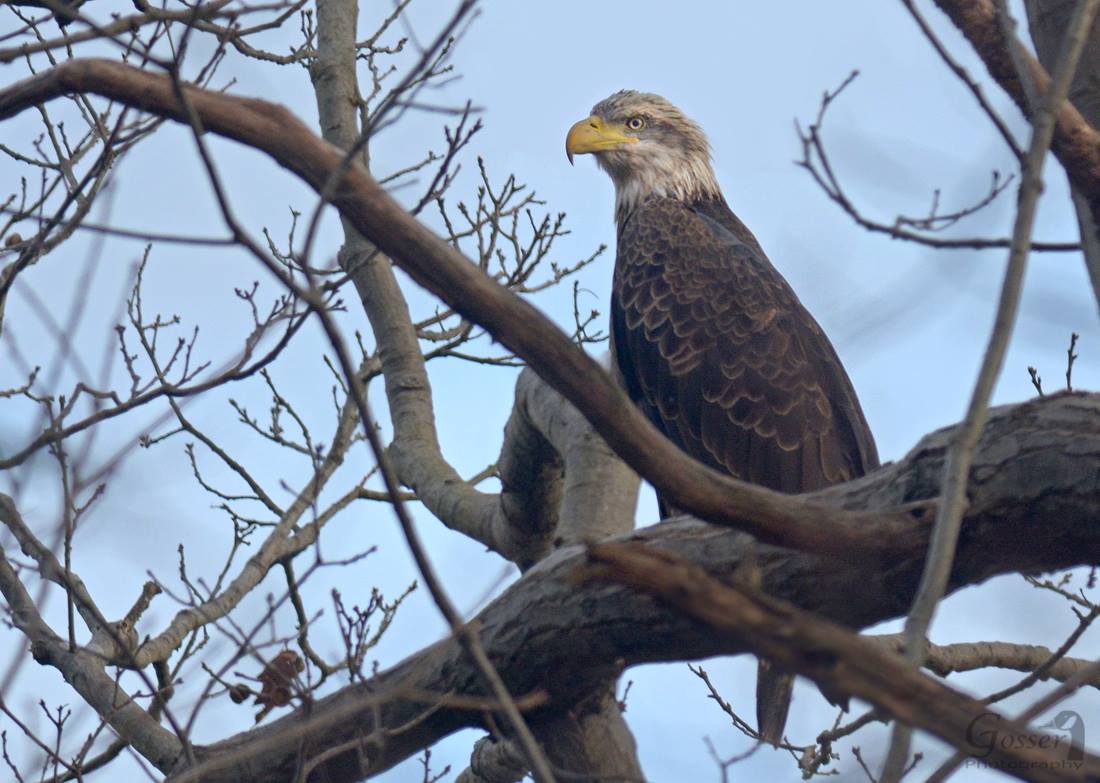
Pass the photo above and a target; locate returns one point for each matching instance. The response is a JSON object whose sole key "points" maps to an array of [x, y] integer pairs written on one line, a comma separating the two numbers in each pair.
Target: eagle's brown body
{"points": [[714, 346], [708, 338]]}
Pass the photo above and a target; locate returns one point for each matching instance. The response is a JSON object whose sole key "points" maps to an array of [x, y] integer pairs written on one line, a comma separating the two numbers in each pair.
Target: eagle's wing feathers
{"points": [[716, 348]]}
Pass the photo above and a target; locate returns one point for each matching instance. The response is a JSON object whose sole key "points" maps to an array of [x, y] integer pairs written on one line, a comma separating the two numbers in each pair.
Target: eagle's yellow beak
{"points": [[594, 135]]}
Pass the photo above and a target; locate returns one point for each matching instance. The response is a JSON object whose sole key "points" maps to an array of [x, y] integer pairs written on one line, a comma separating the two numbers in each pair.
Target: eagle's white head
{"points": [[648, 147]]}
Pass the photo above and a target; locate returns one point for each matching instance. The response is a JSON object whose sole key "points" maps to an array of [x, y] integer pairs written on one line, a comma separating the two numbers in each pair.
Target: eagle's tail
{"points": [[773, 701], [773, 687]]}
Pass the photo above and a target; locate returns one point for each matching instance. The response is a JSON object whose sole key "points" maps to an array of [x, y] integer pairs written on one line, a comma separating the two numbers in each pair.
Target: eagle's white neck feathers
{"points": [[664, 174], [671, 157]]}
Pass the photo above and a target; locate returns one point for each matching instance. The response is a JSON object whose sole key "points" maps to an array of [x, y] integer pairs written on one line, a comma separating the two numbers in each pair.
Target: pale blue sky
{"points": [[909, 323]]}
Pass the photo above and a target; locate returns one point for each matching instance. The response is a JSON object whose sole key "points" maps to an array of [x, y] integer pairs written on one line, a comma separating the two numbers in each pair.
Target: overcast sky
{"points": [[909, 323]]}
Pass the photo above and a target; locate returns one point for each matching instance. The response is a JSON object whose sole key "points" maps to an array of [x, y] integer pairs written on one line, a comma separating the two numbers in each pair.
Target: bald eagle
{"points": [[707, 337]]}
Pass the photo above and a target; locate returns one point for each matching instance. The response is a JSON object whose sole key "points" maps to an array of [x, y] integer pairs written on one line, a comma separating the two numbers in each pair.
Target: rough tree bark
{"points": [[595, 495]]}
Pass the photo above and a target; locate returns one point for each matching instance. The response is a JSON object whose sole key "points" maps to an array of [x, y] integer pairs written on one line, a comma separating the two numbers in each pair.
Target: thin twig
{"points": [[815, 159], [1070, 358], [1036, 381], [966, 79]]}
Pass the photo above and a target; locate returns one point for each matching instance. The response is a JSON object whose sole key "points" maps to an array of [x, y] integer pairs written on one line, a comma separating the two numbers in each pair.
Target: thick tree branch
{"points": [[1033, 508], [839, 662], [599, 493], [555, 472], [594, 499], [689, 485], [494, 762], [518, 523]]}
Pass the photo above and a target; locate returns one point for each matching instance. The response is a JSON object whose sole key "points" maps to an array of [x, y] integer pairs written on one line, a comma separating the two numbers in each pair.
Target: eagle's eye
{"points": [[635, 123]]}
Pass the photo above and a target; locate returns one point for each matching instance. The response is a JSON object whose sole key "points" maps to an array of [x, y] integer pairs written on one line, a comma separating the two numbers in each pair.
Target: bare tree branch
{"points": [[83, 669], [860, 547], [839, 662], [945, 659]]}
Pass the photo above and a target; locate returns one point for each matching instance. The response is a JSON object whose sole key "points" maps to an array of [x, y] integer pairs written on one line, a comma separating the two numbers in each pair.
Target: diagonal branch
{"points": [[840, 662], [85, 671], [965, 78], [769, 515]]}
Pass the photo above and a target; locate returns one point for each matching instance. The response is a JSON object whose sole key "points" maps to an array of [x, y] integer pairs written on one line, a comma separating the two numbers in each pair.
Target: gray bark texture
{"points": [[415, 448], [1033, 506], [556, 471]]}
